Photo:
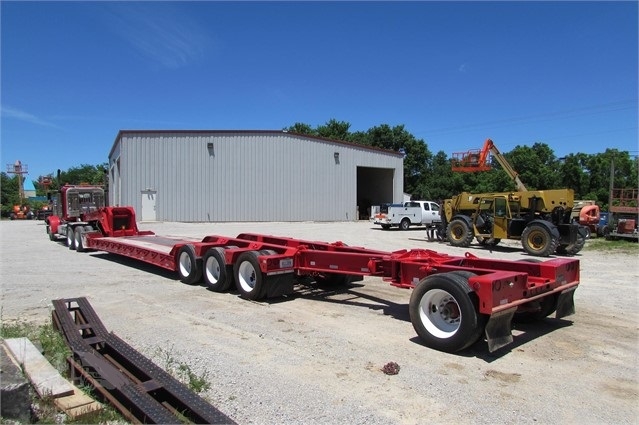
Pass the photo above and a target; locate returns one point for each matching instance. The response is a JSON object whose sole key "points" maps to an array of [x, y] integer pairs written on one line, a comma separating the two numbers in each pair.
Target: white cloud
{"points": [[160, 34], [17, 114]]}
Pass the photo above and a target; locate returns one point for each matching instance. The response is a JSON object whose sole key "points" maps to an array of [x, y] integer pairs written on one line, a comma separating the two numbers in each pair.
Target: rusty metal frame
{"points": [[133, 384]]}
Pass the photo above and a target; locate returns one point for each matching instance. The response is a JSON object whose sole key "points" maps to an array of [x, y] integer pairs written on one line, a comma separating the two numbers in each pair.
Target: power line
{"points": [[549, 116]]}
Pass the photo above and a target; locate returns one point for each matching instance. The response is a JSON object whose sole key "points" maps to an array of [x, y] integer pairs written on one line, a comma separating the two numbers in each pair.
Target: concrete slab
{"points": [[46, 380]]}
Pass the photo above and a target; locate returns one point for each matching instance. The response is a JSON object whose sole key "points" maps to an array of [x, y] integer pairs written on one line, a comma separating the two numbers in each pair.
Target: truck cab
{"points": [[70, 208]]}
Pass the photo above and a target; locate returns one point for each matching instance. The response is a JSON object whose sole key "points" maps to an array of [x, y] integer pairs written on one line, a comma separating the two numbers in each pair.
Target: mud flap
{"points": [[279, 285], [350, 279], [566, 303], [498, 329]]}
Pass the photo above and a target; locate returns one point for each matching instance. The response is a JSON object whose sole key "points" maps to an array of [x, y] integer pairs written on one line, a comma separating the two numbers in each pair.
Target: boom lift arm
{"points": [[478, 160]]}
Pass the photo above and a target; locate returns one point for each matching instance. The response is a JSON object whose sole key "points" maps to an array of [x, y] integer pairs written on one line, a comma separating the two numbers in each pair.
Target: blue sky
{"points": [[454, 73]]}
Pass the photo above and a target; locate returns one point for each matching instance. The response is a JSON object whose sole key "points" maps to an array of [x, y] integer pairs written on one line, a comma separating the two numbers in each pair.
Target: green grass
{"points": [[182, 372], [619, 246], [53, 345]]}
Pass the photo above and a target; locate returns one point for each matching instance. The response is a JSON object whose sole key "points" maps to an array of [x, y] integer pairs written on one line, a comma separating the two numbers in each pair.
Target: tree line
{"points": [[428, 175]]}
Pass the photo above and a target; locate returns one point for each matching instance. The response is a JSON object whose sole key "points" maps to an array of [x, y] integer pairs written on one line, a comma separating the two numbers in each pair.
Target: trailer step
{"points": [[137, 387]]}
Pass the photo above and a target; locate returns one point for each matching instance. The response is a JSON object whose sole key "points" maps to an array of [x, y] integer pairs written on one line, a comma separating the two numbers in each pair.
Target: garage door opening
{"points": [[374, 187]]}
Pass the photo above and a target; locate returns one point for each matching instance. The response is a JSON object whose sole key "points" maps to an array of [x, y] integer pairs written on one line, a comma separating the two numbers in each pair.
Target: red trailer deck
{"points": [[455, 299]]}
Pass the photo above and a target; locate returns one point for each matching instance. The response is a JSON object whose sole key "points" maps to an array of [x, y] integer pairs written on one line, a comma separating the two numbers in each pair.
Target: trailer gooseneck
{"points": [[455, 299]]}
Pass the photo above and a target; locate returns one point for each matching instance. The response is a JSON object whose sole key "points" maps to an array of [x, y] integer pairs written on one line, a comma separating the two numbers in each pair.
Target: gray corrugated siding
{"points": [[245, 177]]}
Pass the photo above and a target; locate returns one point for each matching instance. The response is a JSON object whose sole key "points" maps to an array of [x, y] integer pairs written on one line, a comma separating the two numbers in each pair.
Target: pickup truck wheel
{"points": [[537, 240], [459, 233], [77, 235], [188, 267], [404, 224], [217, 275], [443, 310], [70, 238], [248, 275], [386, 226]]}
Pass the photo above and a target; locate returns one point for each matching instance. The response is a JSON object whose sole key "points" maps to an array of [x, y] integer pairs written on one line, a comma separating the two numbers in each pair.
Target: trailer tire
{"points": [[459, 233], [77, 235], [248, 276], [188, 266], [538, 240], [443, 310], [404, 224], [70, 238], [218, 277], [482, 319]]}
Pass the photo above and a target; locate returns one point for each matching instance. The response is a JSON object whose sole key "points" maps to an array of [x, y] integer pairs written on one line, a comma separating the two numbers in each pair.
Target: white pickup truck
{"points": [[411, 213]]}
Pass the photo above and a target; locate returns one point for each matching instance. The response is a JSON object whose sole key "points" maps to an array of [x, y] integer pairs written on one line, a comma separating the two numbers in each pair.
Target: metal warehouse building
{"points": [[216, 176]]}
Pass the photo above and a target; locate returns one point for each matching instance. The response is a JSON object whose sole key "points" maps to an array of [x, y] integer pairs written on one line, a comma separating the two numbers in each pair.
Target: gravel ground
{"points": [[316, 357]]}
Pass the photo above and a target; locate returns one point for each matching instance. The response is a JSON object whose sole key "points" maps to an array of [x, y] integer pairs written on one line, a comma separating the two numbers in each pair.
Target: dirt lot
{"points": [[315, 358]]}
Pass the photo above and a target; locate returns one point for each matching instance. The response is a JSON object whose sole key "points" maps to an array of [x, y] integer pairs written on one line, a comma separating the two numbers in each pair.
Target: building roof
{"points": [[214, 132]]}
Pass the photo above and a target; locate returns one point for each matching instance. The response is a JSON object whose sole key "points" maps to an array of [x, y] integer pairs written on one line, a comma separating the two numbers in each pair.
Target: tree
{"points": [[417, 157], [84, 174], [429, 176], [443, 181], [335, 130], [537, 166], [300, 128], [9, 195]]}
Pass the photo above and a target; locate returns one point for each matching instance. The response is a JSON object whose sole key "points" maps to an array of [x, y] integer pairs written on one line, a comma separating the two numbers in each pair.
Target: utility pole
{"points": [[612, 181]]}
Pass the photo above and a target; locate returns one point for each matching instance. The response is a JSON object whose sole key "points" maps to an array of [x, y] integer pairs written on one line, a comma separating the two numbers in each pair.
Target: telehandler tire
{"points": [[459, 233], [538, 240]]}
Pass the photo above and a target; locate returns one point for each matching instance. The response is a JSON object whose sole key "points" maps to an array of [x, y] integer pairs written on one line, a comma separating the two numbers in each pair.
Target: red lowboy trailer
{"points": [[455, 299]]}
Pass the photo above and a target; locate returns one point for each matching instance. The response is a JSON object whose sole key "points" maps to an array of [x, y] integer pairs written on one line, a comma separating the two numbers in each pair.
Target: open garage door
{"points": [[374, 187]]}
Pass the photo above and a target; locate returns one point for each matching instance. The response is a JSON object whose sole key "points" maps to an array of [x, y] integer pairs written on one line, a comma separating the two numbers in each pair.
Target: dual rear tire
{"points": [[245, 272]]}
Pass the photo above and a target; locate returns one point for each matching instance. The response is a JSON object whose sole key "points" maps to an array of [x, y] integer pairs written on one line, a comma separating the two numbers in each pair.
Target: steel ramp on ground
{"points": [[133, 384]]}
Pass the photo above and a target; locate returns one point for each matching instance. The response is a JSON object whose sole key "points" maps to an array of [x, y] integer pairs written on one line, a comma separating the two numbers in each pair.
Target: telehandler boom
{"points": [[479, 160]]}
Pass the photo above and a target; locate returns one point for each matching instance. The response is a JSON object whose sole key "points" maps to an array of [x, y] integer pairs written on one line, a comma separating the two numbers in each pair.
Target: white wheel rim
{"points": [[247, 276], [440, 313], [212, 269], [185, 264]]}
